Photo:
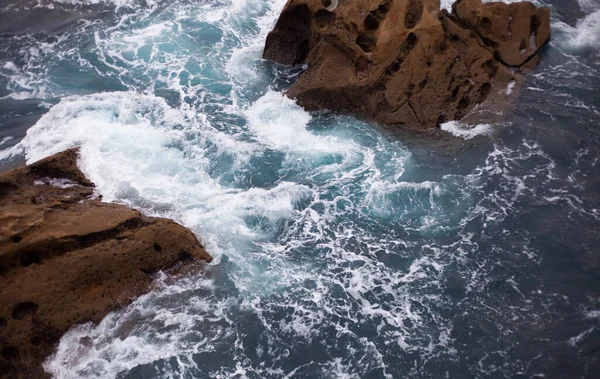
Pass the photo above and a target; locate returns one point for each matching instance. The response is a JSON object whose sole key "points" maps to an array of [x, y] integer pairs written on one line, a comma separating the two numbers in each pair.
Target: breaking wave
{"points": [[341, 250]]}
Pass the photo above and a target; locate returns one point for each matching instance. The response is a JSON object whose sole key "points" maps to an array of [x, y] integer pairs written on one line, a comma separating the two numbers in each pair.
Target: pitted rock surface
{"points": [[67, 258], [406, 62]]}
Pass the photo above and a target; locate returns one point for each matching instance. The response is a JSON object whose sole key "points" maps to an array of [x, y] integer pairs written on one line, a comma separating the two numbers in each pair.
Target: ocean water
{"points": [[343, 249]]}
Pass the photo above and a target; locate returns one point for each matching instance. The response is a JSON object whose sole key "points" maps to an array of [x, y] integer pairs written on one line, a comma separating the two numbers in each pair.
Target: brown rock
{"points": [[405, 62], [67, 258], [514, 32]]}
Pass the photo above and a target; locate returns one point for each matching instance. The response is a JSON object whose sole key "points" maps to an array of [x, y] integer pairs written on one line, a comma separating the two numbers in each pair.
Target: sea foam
{"points": [[584, 35], [463, 131]]}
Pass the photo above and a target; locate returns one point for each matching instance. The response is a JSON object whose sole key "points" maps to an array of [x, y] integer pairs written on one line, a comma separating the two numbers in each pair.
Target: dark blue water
{"points": [[343, 249]]}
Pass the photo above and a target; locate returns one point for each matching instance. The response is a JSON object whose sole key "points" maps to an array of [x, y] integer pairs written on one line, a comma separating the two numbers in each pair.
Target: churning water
{"points": [[343, 250]]}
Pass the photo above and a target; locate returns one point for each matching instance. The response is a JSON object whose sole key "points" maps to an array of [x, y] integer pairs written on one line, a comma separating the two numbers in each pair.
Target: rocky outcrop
{"points": [[67, 258], [406, 62]]}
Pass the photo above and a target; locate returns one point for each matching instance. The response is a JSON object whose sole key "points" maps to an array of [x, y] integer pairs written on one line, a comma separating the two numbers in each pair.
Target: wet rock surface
{"points": [[406, 62], [67, 258]]}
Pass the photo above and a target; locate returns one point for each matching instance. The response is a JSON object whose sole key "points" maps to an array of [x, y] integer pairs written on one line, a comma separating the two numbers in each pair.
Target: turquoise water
{"points": [[343, 249]]}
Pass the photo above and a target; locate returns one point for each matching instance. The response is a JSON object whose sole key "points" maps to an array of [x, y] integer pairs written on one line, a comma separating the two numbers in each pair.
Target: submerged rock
{"points": [[67, 258], [406, 62]]}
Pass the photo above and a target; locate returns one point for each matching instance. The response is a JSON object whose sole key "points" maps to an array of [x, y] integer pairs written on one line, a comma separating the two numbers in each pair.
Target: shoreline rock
{"points": [[66, 258], [406, 62]]}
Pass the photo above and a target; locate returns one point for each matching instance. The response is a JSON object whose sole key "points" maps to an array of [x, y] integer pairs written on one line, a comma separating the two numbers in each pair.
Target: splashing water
{"points": [[342, 250]]}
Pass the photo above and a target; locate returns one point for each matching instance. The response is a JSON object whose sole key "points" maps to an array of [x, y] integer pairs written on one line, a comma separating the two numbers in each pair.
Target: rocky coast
{"points": [[67, 258]]}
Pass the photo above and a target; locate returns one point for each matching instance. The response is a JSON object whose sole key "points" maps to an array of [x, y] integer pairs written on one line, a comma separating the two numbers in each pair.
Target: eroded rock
{"points": [[406, 62], [67, 258], [514, 32]]}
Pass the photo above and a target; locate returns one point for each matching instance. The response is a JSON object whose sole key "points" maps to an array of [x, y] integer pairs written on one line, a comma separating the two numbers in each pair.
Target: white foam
{"points": [[574, 341], [101, 121], [279, 123], [138, 150], [142, 36], [467, 132], [109, 356], [5, 140], [447, 4], [245, 64], [116, 3], [56, 182], [241, 66], [510, 87], [333, 4], [595, 314], [327, 267], [589, 5], [10, 66], [379, 195], [584, 35], [29, 79], [11, 152], [224, 210]]}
